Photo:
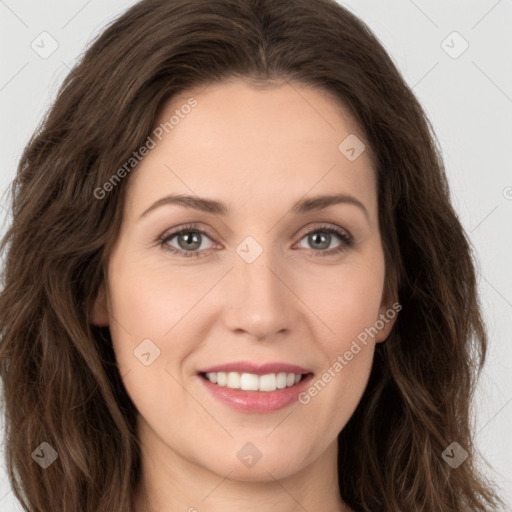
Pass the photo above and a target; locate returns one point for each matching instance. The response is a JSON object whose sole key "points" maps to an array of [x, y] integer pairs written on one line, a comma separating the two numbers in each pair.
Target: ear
{"points": [[388, 314], [100, 316]]}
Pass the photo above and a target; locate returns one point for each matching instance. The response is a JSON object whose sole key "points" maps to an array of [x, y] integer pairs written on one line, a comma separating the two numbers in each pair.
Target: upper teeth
{"points": [[252, 382]]}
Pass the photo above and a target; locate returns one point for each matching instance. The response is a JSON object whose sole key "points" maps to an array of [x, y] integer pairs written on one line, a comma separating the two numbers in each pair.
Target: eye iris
{"points": [[313, 239], [192, 240]]}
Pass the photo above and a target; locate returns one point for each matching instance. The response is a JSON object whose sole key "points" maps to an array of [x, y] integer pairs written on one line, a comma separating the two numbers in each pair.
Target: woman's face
{"points": [[267, 283]]}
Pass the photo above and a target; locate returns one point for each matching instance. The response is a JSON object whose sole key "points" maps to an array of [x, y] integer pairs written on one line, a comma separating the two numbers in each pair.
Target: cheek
{"points": [[151, 313], [348, 304], [348, 301], [149, 299]]}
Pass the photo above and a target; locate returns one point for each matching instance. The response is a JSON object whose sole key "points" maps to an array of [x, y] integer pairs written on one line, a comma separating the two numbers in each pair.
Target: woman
{"points": [[173, 338]]}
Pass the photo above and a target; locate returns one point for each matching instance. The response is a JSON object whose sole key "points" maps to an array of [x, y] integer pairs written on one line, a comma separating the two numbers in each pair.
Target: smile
{"points": [[252, 382], [266, 393]]}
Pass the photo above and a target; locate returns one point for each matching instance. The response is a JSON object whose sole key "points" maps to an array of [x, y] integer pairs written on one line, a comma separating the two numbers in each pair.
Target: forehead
{"points": [[245, 145]]}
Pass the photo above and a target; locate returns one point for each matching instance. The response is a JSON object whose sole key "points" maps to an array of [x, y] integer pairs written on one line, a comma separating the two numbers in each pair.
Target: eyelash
{"points": [[347, 240]]}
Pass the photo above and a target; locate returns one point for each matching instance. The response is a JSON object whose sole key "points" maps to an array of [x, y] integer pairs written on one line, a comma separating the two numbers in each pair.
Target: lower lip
{"points": [[257, 401]]}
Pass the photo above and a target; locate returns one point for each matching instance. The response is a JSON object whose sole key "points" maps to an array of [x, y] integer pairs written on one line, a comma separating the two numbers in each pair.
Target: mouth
{"points": [[255, 388], [266, 383]]}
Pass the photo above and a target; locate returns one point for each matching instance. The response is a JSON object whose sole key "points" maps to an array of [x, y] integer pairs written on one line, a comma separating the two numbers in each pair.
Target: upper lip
{"points": [[257, 369]]}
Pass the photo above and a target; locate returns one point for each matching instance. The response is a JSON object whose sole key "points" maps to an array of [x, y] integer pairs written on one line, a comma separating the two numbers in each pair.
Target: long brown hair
{"points": [[60, 381]]}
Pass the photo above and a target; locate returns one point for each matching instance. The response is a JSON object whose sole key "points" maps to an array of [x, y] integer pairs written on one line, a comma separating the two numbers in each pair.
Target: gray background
{"points": [[468, 98]]}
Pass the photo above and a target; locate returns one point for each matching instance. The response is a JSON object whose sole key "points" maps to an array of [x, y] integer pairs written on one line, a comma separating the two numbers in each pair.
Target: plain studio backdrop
{"points": [[456, 55]]}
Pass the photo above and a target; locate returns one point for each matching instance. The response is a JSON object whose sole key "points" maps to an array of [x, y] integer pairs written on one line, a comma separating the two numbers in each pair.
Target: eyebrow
{"points": [[302, 206]]}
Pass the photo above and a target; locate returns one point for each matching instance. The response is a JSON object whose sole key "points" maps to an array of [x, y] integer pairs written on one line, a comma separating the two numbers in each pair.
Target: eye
{"points": [[189, 240], [320, 239]]}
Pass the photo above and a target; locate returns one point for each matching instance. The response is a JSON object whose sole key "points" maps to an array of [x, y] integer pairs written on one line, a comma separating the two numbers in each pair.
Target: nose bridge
{"points": [[258, 301]]}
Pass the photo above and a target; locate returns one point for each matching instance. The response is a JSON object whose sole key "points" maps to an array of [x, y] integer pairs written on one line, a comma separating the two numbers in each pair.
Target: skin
{"points": [[259, 151]]}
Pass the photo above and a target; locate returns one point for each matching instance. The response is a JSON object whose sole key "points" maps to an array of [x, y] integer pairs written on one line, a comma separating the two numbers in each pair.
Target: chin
{"points": [[277, 465]]}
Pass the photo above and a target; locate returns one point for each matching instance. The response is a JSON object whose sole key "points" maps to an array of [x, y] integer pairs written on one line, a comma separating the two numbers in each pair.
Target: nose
{"points": [[258, 300]]}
